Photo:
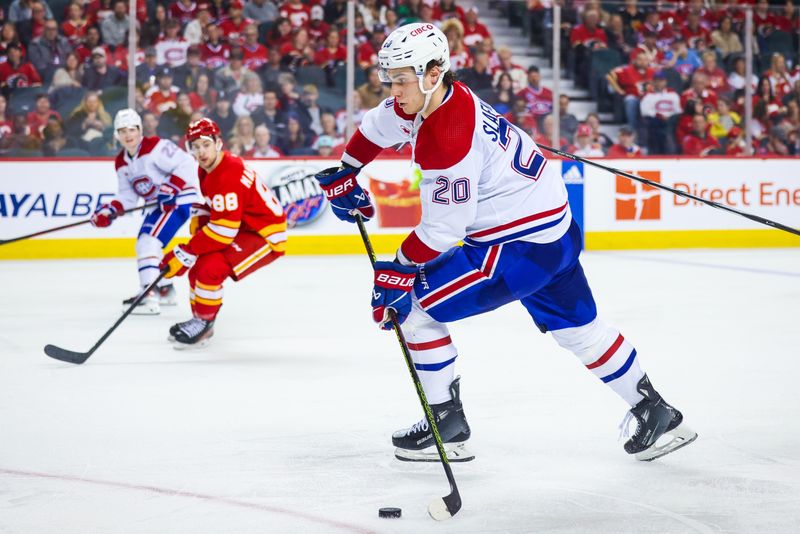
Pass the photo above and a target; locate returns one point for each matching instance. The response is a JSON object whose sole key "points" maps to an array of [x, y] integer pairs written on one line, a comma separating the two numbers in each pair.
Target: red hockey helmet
{"points": [[203, 128]]}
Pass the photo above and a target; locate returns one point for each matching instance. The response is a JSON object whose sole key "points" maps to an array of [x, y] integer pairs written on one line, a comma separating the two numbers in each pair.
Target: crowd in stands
{"points": [[272, 75], [675, 73]]}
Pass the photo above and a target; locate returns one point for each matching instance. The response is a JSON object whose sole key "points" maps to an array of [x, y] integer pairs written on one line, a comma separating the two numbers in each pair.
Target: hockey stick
{"points": [[449, 505], [678, 192], [70, 225], [79, 357]]}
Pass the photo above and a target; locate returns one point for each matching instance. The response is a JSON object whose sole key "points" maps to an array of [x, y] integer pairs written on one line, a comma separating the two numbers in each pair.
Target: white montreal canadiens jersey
{"points": [[156, 162], [484, 181]]}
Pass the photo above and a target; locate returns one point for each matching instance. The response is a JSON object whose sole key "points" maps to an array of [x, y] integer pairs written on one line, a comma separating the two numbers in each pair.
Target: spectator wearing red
{"points": [[657, 107], [717, 78], [14, 72], [779, 76], [538, 98], [99, 10], [8, 35], [255, 53], [367, 54], [699, 142], [730, 8], [700, 92], [280, 33], [361, 33], [298, 52], [519, 78], [626, 146], [214, 53], [787, 21], [589, 34], [520, 115], [317, 27], [584, 145], [183, 10], [6, 124], [685, 120], [425, 14], [460, 56], [30, 29], [90, 42], [650, 48], [333, 51], [41, 115], [737, 144], [163, 96], [774, 106], [447, 9], [654, 23], [298, 13], [75, 25], [629, 82], [763, 20], [693, 32], [204, 97], [234, 24], [474, 31]]}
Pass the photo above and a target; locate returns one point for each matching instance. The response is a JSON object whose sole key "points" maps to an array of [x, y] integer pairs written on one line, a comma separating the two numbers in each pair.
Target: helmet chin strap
{"points": [[428, 95]]}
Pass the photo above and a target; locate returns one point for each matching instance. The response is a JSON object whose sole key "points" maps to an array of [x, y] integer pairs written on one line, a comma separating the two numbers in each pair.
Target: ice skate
{"points": [[191, 334], [149, 305], [660, 429], [167, 296], [416, 444]]}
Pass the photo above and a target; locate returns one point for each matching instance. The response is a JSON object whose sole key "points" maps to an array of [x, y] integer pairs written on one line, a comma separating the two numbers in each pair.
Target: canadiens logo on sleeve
{"points": [[299, 193], [144, 186]]}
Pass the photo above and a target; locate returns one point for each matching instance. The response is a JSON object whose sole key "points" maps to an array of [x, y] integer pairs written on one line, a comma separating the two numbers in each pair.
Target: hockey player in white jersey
{"points": [[484, 182], [150, 170]]}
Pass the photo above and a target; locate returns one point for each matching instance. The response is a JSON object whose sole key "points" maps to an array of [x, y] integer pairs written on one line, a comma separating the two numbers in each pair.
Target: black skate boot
{"points": [[416, 444], [191, 334], [167, 295], [149, 305], [655, 419]]}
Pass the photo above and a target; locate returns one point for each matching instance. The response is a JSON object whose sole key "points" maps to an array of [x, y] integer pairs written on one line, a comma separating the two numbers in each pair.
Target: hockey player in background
{"points": [[150, 169], [240, 228], [484, 182]]}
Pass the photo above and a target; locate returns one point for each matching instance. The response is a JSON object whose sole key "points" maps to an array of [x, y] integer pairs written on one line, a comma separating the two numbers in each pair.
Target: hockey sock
{"points": [[433, 352], [148, 257], [607, 354]]}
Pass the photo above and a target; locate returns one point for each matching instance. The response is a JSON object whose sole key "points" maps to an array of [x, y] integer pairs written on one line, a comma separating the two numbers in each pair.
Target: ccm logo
{"points": [[421, 29], [340, 188], [394, 280]]}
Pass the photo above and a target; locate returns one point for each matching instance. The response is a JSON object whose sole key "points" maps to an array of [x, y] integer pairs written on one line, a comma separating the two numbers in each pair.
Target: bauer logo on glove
{"points": [[347, 198], [392, 291]]}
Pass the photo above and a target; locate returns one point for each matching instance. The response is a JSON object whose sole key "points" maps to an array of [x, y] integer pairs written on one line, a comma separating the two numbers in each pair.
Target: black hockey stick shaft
{"points": [[79, 357], [65, 226], [755, 218], [453, 500]]}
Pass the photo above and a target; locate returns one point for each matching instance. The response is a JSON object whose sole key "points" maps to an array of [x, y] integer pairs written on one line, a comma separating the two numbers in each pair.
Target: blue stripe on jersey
{"points": [[434, 366], [517, 235], [622, 370]]}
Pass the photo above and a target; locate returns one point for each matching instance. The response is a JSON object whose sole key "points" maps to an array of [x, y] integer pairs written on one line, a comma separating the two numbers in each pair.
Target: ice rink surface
{"points": [[282, 424]]}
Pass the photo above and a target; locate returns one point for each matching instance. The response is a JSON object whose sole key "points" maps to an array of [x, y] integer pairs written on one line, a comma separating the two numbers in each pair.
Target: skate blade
{"points": [[168, 302], [190, 346], [145, 310], [671, 441], [456, 452]]}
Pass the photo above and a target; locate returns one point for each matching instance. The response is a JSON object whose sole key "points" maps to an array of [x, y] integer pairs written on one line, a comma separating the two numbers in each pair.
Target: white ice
{"points": [[282, 424]]}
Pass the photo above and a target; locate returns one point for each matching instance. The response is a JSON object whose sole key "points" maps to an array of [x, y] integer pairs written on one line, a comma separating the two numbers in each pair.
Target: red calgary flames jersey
{"points": [[238, 201]]}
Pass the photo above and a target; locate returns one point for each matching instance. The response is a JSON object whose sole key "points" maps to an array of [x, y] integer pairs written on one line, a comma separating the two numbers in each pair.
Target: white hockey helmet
{"points": [[413, 45], [126, 118]]}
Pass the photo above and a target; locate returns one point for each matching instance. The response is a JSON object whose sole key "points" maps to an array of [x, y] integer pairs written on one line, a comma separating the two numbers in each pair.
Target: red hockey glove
{"points": [[105, 214], [178, 261]]}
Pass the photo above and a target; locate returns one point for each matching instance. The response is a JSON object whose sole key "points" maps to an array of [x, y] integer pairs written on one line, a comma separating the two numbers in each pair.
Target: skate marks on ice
{"points": [[301, 517]]}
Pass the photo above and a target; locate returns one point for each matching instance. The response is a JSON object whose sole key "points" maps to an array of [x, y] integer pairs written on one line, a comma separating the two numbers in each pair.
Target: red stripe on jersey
{"points": [[415, 250], [608, 354], [361, 148], [445, 291], [147, 146], [428, 345], [518, 222], [445, 138], [491, 259]]}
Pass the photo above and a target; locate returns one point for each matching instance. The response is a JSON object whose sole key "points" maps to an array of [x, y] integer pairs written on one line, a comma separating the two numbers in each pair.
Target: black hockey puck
{"points": [[390, 512]]}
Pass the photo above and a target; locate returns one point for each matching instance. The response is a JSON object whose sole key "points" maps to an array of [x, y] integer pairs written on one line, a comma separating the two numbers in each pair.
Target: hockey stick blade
{"points": [[65, 355], [446, 507]]}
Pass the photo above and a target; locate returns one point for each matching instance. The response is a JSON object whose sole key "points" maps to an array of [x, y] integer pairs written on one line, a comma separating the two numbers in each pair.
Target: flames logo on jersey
{"points": [[144, 186], [299, 193]]}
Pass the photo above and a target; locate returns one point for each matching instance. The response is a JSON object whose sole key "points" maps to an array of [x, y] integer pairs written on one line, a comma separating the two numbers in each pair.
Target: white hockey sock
{"points": [[606, 353], [148, 258], [433, 353]]}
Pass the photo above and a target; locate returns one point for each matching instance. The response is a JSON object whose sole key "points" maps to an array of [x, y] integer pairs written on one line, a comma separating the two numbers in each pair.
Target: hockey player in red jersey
{"points": [[240, 229], [484, 183]]}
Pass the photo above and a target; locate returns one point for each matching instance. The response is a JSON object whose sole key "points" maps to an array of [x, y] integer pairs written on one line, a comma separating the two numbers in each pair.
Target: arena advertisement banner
{"points": [[621, 213]]}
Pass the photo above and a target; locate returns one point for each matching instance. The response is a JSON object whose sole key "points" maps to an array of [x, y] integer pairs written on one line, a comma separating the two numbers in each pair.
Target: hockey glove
{"points": [[168, 193], [105, 214], [345, 195], [177, 261], [392, 291]]}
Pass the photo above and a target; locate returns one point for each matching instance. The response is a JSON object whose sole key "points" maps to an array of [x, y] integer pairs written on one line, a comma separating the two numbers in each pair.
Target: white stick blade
{"points": [[438, 510]]}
